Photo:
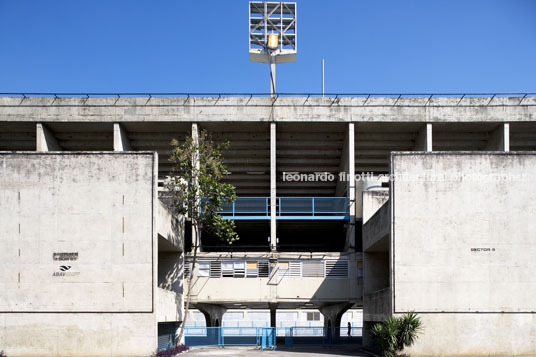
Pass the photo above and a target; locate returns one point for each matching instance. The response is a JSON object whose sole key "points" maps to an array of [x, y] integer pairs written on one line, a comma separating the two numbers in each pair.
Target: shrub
{"points": [[170, 352], [395, 333]]}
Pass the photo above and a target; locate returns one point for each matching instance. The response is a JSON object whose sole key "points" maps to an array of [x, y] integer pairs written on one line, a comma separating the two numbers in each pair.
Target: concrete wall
{"points": [[281, 289], [372, 201], [258, 109], [101, 208], [463, 250]]}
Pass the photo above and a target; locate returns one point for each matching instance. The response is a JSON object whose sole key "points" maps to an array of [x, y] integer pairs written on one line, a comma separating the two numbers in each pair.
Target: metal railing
{"points": [[287, 207], [263, 337], [322, 335]]}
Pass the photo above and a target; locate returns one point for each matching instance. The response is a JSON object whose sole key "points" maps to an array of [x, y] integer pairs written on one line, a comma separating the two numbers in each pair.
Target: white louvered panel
{"points": [[252, 269], [313, 269], [336, 268], [227, 269], [239, 269], [295, 269], [283, 268]]}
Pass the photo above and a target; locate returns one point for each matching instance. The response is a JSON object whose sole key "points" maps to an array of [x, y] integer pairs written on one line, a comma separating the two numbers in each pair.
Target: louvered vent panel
{"points": [[336, 268], [313, 269], [264, 269], [215, 269], [295, 269], [227, 269]]}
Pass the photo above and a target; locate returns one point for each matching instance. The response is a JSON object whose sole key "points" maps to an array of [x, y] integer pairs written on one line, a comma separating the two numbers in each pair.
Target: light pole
{"points": [[272, 34]]}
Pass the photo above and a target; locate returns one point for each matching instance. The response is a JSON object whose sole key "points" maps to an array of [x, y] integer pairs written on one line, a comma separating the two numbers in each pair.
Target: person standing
{"points": [[349, 329]]}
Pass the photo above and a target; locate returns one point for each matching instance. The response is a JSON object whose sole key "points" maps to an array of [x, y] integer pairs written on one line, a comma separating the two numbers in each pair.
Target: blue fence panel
{"points": [[263, 337], [202, 336], [330, 206], [322, 335], [256, 207], [246, 206]]}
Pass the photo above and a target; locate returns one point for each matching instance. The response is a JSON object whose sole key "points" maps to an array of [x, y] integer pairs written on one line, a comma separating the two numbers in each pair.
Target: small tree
{"points": [[198, 192], [395, 333]]}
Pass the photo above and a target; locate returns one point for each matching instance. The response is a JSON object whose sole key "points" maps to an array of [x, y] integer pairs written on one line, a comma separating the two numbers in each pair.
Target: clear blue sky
{"points": [[379, 46]]}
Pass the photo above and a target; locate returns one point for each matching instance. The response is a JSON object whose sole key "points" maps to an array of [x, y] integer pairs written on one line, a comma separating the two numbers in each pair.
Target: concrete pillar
{"points": [[273, 314], [213, 314], [121, 142], [332, 318], [499, 139], [350, 190], [45, 139], [423, 142], [196, 165], [273, 191], [351, 184]]}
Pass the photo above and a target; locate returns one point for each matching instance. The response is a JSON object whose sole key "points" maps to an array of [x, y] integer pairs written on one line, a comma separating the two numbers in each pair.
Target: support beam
{"points": [[342, 185], [273, 191], [45, 140], [273, 314], [351, 194], [499, 139], [423, 142], [213, 314], [121, 142], [196, 165], [332, 319]]}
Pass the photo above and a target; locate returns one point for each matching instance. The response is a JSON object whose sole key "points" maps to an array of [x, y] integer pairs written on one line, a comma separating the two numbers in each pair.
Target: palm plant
{"points": [[396, 333]]}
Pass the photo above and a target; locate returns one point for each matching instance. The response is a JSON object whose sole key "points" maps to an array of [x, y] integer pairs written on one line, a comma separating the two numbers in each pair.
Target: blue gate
{"points": [[267, 337]]}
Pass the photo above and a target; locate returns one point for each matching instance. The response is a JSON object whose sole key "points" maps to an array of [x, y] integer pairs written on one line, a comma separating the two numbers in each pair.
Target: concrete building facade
{"points": [[314, 212]]}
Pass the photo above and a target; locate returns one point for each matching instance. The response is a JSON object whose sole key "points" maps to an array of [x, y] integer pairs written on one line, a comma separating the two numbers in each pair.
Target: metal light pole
{"points": [[272, 35]]}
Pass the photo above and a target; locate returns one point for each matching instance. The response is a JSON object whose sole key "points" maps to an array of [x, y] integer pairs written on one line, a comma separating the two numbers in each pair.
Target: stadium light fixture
{"points": [[272, 34]]}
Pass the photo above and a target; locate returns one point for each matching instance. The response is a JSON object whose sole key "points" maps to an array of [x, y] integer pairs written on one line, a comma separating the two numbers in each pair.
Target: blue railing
{"points": [[322, 335], [263, 337], [295, 208]]}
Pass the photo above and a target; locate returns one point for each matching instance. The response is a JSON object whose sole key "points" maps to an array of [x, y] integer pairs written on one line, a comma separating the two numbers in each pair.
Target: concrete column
{"points": [[121, 142], [45, 140], [213, 314], [196, 165], [273, 314], [332, 317], [273, 191], [499, 139], [423, 142], [351, 196]]}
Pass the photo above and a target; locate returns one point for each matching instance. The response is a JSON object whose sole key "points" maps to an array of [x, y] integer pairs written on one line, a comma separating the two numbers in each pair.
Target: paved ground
{"points": [[283, 352]]}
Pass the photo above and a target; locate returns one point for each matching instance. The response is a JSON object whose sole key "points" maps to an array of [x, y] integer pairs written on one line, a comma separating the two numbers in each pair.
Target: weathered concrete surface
{"points": [[463, 250], [256, 109], [376, 230], [169, 306], [290, 291], [378, 305], [170, 228], [100, 207]]}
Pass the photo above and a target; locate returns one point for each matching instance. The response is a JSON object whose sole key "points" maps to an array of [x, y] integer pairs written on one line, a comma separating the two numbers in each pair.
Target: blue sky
{"points": [[370, 46]]}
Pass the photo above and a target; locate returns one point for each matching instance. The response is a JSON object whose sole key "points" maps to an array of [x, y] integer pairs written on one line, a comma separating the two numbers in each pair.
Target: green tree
{"points": [[198, 192]]}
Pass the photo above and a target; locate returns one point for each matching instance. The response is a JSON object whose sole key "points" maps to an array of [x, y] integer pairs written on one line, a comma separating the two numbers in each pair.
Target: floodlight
{"points": [[272, 34], [273, 41]]}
